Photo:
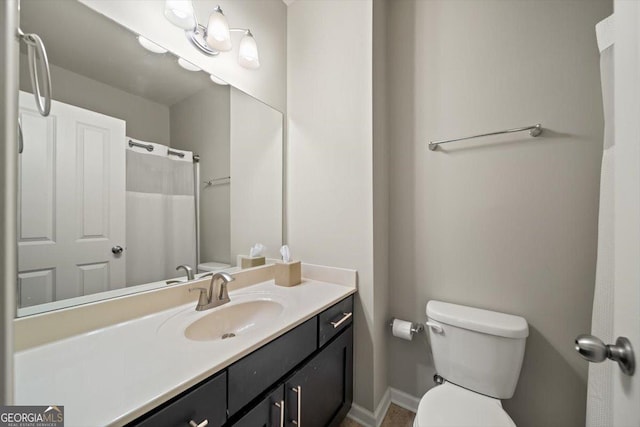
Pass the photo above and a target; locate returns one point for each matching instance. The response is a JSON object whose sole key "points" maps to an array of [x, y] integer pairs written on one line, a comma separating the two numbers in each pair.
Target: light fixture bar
{"points": [[198, 38], [216, 36]]}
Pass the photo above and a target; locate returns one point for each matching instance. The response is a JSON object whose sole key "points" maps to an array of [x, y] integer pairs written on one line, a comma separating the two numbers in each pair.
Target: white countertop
{"points": [[113, 375]]}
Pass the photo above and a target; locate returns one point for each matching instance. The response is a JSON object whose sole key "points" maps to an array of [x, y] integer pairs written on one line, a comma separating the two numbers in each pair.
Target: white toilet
{"points": [[478, 353], [212, 266]]}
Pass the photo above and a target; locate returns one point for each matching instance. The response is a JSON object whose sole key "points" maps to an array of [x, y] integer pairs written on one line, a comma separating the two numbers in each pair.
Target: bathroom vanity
{"points": [[304, 377], [272, 356]]}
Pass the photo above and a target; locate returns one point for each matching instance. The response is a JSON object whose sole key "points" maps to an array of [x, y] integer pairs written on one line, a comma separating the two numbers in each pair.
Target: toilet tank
{"points": [[477, 349]]}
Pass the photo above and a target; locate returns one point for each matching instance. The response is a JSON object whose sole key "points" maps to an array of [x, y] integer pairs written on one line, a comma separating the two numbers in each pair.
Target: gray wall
{"points": [[146, 120], [380, 195], [201, 124], [329, 160], [508, 223]]}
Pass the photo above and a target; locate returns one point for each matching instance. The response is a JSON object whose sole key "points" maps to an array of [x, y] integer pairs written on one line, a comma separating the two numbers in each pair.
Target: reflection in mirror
{"points": [[145, 164]]}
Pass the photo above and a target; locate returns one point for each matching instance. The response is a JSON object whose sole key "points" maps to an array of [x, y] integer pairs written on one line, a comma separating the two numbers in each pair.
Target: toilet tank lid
{"points": [[477, 319]]}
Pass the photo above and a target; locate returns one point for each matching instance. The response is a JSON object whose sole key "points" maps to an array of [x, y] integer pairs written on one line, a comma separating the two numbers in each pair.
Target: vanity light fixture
{"points": [[187, 65], [216, 36], [217, 80], [180, 13], [151, 46], [248, 52]]}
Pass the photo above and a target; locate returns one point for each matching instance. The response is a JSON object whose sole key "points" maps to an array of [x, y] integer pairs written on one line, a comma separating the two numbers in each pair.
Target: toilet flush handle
{"points": [[435, 327]]}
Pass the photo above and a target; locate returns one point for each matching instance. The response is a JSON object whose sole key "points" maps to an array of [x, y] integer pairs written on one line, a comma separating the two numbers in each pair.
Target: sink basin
{"points": [[232, 320]]}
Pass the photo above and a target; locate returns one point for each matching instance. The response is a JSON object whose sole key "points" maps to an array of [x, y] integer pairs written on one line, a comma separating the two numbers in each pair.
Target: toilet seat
{"points": [[449, 405]]}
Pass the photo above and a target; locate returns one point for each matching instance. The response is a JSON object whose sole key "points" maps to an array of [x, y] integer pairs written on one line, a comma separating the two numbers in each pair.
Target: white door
{"points": [[71, 207], [626, 389]]}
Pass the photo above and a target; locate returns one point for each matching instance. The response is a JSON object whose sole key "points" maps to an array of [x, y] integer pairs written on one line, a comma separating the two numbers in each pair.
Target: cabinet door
{"points": [[320, 393], [268, 413], [254, 374]]}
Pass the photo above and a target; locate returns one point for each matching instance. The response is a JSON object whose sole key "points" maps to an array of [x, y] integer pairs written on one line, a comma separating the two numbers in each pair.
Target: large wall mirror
{"points": [[145, 163]]}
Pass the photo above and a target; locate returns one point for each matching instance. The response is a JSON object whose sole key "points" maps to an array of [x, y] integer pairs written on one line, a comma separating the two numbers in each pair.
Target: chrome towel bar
{"points": [[534, 131]]}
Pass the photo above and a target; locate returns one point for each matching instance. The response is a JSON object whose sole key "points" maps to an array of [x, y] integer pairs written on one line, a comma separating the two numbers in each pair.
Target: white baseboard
{"points": [[374, 419], [405, 400]]}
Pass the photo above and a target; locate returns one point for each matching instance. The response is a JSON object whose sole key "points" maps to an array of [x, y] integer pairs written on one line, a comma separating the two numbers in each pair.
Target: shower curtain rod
{"points": [[175, 153], [150, 148]]}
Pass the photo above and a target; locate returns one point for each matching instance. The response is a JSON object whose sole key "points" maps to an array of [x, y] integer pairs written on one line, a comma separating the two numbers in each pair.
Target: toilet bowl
{"points": [[449, 405], [479, 355]]}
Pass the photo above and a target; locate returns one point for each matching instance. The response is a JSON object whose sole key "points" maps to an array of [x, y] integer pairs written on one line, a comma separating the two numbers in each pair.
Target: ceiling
{"points": [[87, 43]]}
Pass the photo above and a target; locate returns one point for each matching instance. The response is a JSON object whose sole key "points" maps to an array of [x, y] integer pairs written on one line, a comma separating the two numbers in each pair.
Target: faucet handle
{"points": [[203, 299]]}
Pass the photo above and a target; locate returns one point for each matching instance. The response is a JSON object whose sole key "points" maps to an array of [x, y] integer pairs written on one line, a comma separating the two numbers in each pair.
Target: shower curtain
{"points": [[161, 216], [599, 394]]}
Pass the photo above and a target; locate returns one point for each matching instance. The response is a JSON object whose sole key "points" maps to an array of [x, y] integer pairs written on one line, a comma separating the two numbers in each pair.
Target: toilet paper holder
{"points": [[415, 327]]}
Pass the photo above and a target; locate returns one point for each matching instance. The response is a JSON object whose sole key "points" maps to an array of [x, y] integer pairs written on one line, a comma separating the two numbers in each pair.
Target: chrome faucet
{"points": [[188, 270], [208, 299]]}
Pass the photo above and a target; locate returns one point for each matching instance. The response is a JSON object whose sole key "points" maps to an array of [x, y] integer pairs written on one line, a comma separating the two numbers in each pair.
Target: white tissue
{"points": [[402, 329], [286, 254], [256, 250]]}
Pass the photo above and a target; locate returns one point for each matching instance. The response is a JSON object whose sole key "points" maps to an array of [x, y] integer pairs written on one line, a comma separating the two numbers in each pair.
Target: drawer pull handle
{"points": [[281, 406], [202, 424], [345, 317], [298, 390]]}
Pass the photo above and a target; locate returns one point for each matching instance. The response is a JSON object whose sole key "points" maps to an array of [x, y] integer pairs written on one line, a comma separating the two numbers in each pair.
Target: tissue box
{"points": [[288, 273], [248, 262]]}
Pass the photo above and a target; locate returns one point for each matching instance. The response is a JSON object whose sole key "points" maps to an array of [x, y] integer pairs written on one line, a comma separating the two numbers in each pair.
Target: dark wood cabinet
{"points": [[207, 401], [304, 377], [257, 372], [320, 393], [334, 319]]}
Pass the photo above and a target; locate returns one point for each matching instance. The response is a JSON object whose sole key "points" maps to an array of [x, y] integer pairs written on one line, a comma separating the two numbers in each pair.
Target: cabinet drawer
{"points": [[206, 402], [261, 369], [268, 413], [335, 319]]}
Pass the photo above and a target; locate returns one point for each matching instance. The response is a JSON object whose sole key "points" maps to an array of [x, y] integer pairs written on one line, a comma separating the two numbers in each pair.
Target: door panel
{"points": [[37, 170], [72, 203], [93, 182], [37, 287], [94, 278]]}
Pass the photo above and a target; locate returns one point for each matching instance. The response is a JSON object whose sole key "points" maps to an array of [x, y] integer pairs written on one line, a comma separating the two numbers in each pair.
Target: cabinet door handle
{"points": [[202, 424], [281, 406], [345, 317], [298, 391]]}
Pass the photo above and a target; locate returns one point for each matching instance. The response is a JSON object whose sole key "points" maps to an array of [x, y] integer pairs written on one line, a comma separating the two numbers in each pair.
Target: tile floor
{"points": [[396, 417]]}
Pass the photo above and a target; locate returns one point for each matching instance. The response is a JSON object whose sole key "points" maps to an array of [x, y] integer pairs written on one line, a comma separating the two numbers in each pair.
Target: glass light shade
{"points": [[248, 52], [151, 46], [217, 80], [180, 13], [187, 65], [218, 36]]}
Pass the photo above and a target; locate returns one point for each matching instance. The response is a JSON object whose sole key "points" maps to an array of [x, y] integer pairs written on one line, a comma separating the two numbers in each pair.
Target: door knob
{"points": [[117, 250], [594, 350]]}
